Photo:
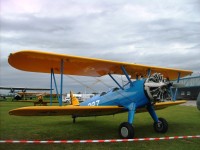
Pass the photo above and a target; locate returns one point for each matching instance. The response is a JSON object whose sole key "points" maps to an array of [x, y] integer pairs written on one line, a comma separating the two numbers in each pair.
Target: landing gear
{"points": [[74, 118], [126, 130], [161, 126]]}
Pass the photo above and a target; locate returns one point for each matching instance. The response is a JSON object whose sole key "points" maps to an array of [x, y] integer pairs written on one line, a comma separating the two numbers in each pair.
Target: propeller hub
{"points": [[157, 88]]}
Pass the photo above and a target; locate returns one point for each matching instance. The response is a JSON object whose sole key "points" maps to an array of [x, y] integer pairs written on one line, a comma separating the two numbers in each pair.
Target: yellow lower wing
{"points": [[80, 110], [163, 105], [66, 110]]}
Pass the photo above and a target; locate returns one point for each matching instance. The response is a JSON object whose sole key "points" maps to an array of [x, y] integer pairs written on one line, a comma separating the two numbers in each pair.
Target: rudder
{"points": [[74, 100]]}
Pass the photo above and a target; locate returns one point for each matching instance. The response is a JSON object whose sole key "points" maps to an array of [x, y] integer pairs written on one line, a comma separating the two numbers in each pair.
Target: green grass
{"points": [[182, 120]]}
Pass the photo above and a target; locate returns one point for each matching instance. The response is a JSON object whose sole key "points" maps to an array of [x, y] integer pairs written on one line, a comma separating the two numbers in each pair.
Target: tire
{"points": [[161, 126], [126, 130]]}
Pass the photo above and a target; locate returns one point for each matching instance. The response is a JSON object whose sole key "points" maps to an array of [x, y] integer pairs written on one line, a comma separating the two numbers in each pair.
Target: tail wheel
{"points": [[161, 126], [126, 130]]}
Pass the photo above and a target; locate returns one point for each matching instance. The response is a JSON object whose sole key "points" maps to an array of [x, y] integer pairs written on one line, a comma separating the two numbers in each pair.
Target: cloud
{"points": [[159, 34]]}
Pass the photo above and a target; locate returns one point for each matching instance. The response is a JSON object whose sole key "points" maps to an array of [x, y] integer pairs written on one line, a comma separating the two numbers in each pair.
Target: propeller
{"points": [[153, 84], [178, 85], [160, 84], [158, 87]]}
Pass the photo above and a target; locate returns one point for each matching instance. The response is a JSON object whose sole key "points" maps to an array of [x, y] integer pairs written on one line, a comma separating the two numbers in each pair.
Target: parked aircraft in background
{"points": [[20, 95], [149, 91], [23, 89]]}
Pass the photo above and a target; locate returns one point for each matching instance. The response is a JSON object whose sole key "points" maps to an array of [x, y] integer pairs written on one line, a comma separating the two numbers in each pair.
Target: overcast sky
{"points": [[160, 33]]}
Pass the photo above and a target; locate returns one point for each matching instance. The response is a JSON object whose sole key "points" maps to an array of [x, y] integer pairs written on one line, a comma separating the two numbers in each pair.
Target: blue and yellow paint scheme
{"points": [[150, 89]]}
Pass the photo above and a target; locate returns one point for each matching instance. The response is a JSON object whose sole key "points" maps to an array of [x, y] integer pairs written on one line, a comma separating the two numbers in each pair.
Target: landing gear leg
{"points": [[126, 130], [160, 124], [74, 118]]}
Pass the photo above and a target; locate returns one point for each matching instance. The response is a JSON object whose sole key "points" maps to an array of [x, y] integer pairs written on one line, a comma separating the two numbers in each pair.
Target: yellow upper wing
{"points": [[36, 61], [81, 111]]}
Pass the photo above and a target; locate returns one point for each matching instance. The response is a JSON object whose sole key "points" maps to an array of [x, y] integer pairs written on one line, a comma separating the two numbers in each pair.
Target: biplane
{"points": [[147, 89], [23, 89], [22, 95]]}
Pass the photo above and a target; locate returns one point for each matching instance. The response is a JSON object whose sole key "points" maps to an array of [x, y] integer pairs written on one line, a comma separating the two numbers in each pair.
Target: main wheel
{"points": [[126, 130], [161, 126]]}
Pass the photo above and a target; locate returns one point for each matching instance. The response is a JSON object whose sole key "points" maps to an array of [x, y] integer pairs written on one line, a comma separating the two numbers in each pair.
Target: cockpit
{"points": [[110, 91]]}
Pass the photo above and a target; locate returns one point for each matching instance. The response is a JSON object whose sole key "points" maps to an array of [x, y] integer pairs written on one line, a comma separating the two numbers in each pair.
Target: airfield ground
{"points": [[190, 103], [183, 120]]}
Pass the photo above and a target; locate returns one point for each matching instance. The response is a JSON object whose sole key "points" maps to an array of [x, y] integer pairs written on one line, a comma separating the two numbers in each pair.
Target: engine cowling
{"points": [[157, 88]]}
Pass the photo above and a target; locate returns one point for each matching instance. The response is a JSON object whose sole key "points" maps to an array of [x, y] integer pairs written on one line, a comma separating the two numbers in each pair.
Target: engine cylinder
{"points": [[157, 88]]}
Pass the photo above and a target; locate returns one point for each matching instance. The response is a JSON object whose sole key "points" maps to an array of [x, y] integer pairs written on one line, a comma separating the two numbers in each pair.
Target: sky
{"points": [[157, 32]]}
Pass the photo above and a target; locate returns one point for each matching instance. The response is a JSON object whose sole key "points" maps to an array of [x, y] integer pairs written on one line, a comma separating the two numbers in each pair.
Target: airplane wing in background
{"points": [[23, 88], [36, 61], [81, 111]]}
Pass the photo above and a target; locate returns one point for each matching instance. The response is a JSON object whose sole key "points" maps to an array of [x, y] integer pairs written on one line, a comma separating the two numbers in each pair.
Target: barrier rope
{"points": [[96, 141]]}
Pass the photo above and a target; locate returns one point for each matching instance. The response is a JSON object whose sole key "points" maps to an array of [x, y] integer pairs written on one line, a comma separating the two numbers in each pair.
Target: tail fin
{"points": [[74, 100]]}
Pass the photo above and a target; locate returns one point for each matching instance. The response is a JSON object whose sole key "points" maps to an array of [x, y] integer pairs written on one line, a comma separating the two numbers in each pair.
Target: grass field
{"points": [[182, 120]]}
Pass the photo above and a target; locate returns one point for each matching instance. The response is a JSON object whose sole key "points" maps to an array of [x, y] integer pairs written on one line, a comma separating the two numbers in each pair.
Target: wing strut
{"points": [[149, 72], [116, 81], [61, 83], [126, 74], [51, 98], [61, 80], [176, 90], [53, 78]]}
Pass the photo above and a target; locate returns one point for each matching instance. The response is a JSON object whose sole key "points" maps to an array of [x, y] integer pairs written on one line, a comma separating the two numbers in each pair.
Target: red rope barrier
{"points": [[96, 141]]}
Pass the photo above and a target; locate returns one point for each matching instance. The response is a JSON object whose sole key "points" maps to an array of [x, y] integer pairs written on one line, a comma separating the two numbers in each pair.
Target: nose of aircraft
{"points": [[157, 87]]}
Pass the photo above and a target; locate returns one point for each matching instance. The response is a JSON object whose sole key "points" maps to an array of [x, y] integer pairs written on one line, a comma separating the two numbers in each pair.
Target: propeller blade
{"points": [[178, 85], [154, 84]]}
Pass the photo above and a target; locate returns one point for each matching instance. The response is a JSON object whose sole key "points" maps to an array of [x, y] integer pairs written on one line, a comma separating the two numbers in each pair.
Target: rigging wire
{"points": [[97, 80], [81, 83]]}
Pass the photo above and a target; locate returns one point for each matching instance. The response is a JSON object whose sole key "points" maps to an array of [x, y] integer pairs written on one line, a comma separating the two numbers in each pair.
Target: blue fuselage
{"points": [[121, 97]]}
